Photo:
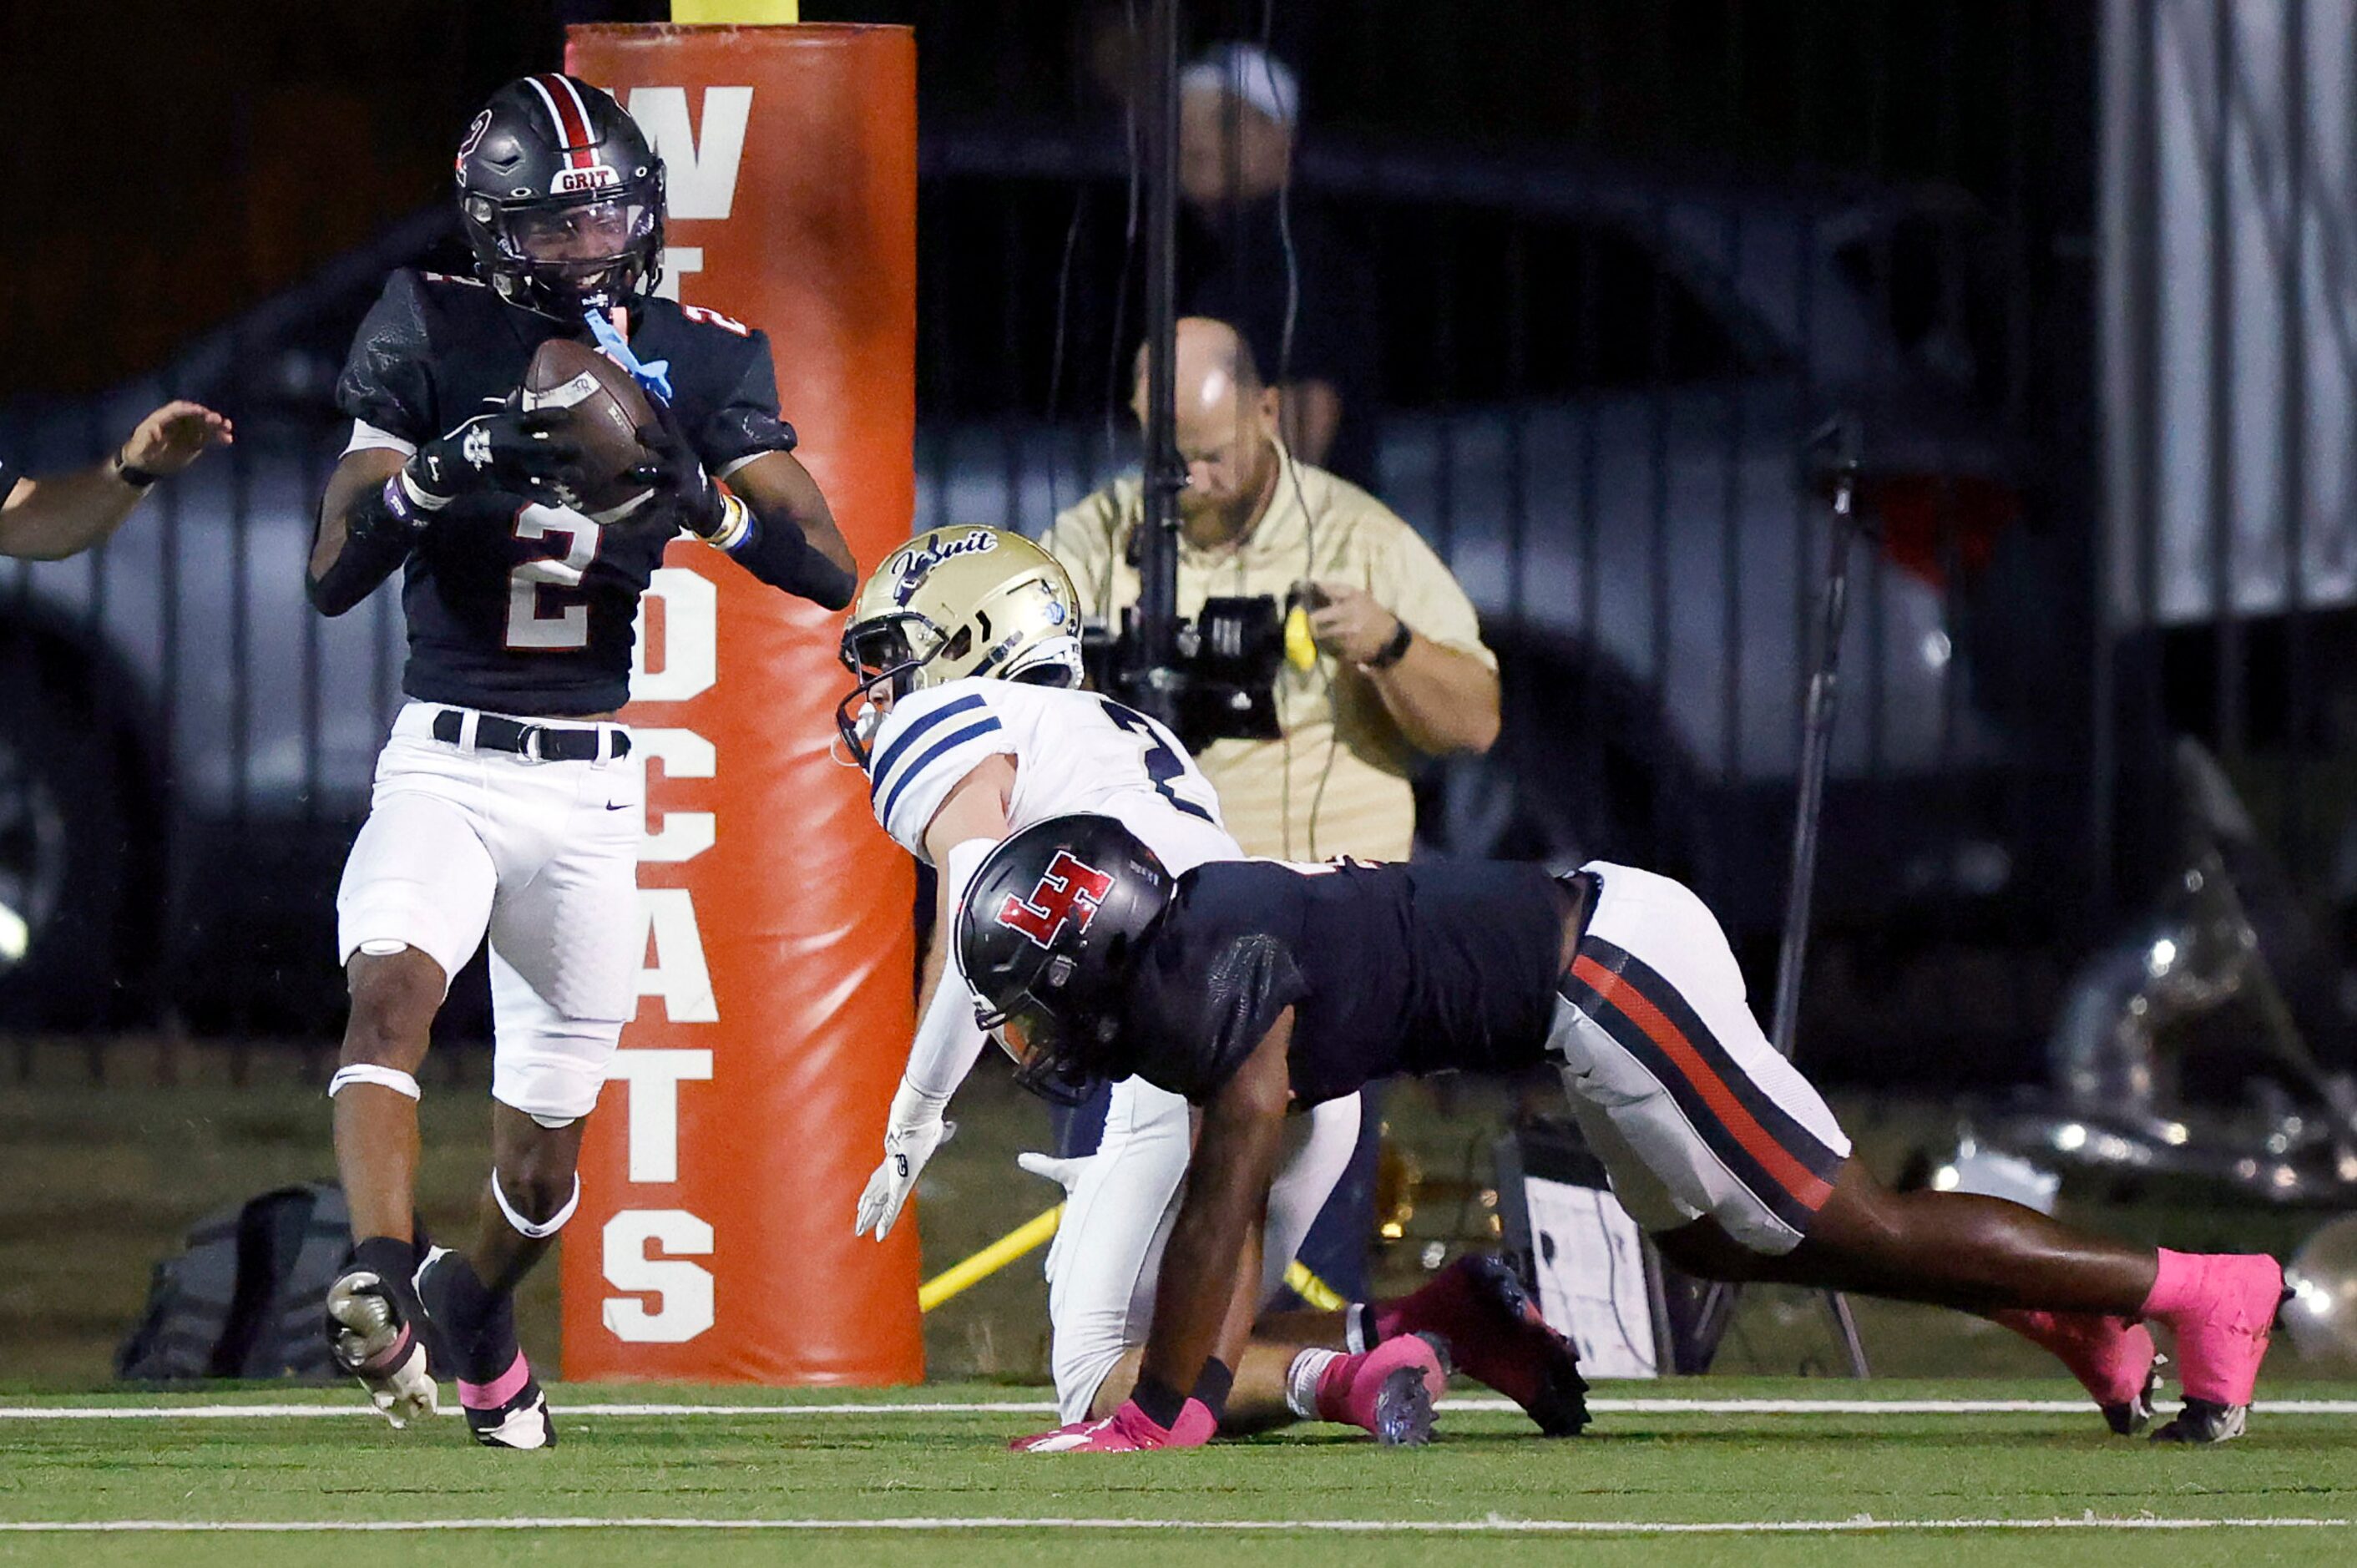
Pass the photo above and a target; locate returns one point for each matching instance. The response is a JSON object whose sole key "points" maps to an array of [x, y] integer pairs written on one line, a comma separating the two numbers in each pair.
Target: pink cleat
{"points": [[2221, 1307], [1390, 1391], [1495, 1336], [2112, 1357]]}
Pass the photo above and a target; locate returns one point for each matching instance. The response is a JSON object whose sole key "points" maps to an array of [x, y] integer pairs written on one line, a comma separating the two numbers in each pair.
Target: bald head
{"points": [[1227, 428], [1216, 368]]}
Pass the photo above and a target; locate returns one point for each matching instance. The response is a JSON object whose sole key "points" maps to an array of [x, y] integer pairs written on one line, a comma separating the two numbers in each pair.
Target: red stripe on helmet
{"points": [[572, 118]]}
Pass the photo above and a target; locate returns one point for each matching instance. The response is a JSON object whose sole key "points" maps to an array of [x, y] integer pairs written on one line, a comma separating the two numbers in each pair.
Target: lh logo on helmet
{"points": [[1068, 890]]}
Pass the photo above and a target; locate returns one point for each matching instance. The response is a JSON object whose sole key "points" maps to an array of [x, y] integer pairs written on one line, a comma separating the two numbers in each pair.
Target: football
{"points": [[604, 408]]}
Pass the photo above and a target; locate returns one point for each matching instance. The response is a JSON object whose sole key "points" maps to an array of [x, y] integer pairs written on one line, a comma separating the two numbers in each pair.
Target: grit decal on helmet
{"points": [[1070, 889], [562, 198], [966, 601]]}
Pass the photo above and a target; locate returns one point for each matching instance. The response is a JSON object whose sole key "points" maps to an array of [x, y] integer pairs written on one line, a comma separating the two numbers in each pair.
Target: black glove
{"points": [[683, 492], [511, 450]]}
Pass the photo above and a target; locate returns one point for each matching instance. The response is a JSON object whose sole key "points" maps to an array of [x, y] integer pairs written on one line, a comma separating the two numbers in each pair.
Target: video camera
{"points": [[1219, 684]]}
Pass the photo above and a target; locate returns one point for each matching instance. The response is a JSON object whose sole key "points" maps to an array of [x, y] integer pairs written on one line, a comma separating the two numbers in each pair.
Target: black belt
{"points": [[544, 743]]}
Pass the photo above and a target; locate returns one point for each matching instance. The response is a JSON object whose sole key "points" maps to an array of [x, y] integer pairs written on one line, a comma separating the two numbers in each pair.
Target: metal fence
{"points": [[2230, 398], [1605, 320]]}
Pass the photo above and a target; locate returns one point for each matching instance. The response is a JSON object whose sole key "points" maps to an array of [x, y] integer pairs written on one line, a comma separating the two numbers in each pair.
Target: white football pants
{"points": [[543, 856]]}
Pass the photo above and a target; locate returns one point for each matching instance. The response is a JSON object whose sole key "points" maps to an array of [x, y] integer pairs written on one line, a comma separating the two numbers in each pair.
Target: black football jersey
{"points": [[516, 607], [1389, 968], [8, 477]]}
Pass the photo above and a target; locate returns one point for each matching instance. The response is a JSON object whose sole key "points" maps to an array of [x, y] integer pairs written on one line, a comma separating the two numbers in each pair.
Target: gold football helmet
{"points": [[952, 603]]}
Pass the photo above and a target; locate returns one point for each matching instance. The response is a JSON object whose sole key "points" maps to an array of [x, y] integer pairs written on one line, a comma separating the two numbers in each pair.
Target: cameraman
{"points": [[1400, 670]]}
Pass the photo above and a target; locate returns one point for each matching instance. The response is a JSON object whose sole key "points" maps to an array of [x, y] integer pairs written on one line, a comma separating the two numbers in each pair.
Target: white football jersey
{"points": [[1075, 751]]}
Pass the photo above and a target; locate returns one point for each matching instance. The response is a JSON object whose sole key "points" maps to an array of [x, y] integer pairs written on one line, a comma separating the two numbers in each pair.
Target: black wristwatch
{"points": [[138, 479], [1391, 652]]}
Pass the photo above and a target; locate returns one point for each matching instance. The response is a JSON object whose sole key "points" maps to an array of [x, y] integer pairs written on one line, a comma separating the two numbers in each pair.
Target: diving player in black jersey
{"points": [[507, 800], [1253, 988]]}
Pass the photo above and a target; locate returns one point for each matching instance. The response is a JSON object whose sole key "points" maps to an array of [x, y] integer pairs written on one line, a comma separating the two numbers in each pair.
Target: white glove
{"points": [[915, 1131]]}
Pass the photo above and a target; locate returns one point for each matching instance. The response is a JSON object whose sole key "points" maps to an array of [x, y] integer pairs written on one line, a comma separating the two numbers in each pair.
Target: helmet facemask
{"points": [[1027, 1031], [565, 257], [887, 656]]}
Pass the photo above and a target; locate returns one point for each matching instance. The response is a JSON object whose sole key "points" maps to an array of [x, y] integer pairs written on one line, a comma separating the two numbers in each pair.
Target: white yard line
{"points": [[1857, 1525], [1041, 1407]]}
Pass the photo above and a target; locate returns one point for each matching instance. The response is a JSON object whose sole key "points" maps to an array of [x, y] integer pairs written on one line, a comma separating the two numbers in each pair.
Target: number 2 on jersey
{"points": [[569, 628], [1162, 764]]}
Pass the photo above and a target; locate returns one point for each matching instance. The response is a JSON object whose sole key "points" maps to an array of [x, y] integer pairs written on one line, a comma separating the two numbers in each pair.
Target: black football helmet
{"points": [[1053, 919], [562, 198]]}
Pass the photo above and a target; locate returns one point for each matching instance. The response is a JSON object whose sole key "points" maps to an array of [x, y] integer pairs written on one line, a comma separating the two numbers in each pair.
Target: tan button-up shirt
{"points": [[1336, 783]]}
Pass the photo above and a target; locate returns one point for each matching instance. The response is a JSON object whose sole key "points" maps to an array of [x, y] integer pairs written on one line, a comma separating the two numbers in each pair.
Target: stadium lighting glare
{"points": [[16, 936]]}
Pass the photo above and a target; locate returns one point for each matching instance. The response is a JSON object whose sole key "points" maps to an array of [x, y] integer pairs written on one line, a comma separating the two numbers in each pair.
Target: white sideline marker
{"points": [[1861, 1524], [1044, 1407]]}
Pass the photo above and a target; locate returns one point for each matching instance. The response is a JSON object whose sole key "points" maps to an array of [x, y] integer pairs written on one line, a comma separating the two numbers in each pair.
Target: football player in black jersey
{"points": [[507, 798], [64, 514], [1254, 987]]}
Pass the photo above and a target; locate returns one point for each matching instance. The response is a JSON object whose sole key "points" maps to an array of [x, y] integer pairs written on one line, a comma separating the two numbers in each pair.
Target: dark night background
{"points": [[166, 173]]}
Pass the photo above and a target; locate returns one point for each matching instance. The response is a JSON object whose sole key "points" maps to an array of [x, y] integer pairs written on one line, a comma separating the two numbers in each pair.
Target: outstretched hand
{"points": [[175, 435]]}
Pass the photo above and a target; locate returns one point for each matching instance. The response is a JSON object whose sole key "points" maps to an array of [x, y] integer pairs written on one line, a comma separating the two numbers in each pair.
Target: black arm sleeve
{"points": [[385, 381], [744, 423], [779, 555], [8, 477], [375, 544], [1195, 1013]]}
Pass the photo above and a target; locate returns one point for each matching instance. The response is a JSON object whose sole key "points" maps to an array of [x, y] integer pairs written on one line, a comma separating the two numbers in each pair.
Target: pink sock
{"points": [[1334, 1388], [2177, 1283]]}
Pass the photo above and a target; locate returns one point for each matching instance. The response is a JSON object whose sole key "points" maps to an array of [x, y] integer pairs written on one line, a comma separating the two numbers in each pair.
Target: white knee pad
{"points": [[537, 1230], [389, 1077]]}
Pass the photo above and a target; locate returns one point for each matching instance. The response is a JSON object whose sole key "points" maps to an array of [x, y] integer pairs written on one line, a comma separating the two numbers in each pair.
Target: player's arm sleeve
{"points": [[745, 422], [8, 477], [948, 1040], [1218, 1012], [386, 387], [928, 742], [1416, 586]]}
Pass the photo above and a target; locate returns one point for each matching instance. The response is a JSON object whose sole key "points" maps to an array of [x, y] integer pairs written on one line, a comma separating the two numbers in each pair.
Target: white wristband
{"points": [[736, 524], [419, 496]]}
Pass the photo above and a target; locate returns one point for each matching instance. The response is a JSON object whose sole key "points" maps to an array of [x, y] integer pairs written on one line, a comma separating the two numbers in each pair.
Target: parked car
{"points": [[185, 747]]}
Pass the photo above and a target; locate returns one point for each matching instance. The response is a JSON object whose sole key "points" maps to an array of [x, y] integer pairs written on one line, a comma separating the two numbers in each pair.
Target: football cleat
{"points": [[370, 1336], [509, 1409], [2112, 1357], [2204, 1421], [1390, 1391], [2222, 1338], [519, 1418], [1496, 1335]]}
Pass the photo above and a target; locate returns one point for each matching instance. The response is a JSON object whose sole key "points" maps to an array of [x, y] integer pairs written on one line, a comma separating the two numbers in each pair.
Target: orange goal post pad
{"points": [[747, 1102]]}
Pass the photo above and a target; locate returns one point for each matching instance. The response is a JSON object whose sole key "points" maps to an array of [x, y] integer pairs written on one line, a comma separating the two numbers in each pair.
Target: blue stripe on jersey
{"points": [[907, 737], [916, 770]]}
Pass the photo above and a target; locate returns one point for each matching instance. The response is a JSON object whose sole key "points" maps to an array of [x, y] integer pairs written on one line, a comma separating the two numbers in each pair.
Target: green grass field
{"points": [[103, 1164], [763, 1476]]}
